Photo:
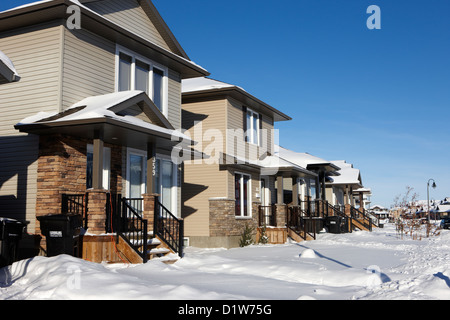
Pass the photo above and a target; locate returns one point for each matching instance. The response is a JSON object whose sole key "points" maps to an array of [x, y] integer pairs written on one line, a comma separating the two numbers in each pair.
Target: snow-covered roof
{"points": [[7, 63], [208, 86], [303, 159], [98, 107], [203, 84], [348, 174], [271, 163], [363, 190]]}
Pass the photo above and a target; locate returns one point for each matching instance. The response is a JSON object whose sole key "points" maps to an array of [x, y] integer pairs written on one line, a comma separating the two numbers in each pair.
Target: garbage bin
{"points": [[10, 234], [333, 224], [62, 233]]}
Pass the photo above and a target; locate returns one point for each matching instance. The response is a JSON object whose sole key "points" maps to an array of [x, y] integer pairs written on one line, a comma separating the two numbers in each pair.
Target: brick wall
{"points": [[223, 221]]}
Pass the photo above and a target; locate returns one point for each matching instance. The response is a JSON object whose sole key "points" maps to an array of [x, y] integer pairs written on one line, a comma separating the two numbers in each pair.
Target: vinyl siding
{"points": [[202, 181], [235, 145], [88, 66], [35, 52], [174, 99], [129, 15]]}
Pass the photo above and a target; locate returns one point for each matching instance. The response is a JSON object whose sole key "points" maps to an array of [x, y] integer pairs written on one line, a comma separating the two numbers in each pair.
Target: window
{"points": [[158, 93], [124, 72], [242, 191], [142, 76], [139, 73], [252, 130], [90, 164]]}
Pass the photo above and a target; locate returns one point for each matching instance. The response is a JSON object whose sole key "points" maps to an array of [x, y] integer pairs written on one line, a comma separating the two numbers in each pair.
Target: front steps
{"points": [[106, 248]]}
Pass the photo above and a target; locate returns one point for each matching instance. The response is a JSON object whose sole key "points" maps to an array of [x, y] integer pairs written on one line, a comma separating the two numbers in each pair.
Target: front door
{"points": [[166, 176], [136, 173], [166, 184]]}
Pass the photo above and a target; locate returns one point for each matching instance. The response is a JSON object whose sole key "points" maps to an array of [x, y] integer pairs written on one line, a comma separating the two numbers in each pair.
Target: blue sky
{"points": [[379, 99]]}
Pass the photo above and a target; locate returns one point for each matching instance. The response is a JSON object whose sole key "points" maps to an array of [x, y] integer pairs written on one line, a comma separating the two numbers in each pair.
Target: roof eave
{"points": [[57, 9], [239, 94]]}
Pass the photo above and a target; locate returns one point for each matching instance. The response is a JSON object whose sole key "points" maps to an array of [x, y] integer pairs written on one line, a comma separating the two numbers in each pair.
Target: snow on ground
{"points": [[360, 265]]}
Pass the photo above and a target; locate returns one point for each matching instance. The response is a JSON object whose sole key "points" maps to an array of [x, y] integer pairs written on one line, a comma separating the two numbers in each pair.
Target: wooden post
{"points": [[294, 191], [97, 170], [280, 194], [361, 202]]}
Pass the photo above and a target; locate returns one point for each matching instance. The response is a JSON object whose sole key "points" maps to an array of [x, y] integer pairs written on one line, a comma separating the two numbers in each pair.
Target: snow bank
{"points": [[360, 265]]}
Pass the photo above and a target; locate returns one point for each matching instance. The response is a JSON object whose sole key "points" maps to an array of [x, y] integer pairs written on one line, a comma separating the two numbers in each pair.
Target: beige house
{"points": [[232, 181], [95, 111], [340, 189]]}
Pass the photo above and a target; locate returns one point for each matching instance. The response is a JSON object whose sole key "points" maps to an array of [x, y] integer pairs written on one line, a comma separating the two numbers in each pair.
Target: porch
{"points": [[95, 150], [135, 229], [306, 219]]}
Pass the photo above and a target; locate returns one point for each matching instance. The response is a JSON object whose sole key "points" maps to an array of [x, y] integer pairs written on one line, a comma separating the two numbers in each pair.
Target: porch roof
{"points": [[7, 70], [269, 166], [308, 161], [102, 113], [348, 175]]}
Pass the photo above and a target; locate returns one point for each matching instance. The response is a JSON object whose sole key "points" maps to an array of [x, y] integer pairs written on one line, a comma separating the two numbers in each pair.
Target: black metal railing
{"points": [[361, 218], [267, 216], [75, 204], [169, 228], [130, 225], [300, 222]]}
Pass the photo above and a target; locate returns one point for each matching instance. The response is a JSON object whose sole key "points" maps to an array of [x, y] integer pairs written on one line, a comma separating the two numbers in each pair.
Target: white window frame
{"points": [[249, 195], [134, 56], [250, 128]]}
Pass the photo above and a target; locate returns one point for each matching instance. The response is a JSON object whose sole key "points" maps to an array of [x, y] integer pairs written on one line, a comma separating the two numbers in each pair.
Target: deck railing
{"points": [[75, 204], [267, 216], [169, 228], [300, 222], [131, 226]]}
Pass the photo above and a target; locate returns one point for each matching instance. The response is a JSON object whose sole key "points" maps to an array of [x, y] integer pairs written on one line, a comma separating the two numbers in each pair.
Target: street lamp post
{"points": [[428, 195]]}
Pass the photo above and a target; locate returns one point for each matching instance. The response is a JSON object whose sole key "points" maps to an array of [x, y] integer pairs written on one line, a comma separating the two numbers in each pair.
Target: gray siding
{"points": [[35, 52]]}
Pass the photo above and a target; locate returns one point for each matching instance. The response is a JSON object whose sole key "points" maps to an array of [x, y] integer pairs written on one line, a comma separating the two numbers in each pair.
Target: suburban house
{"points": [[334, 191], [92, 124], [233, 182], [340, 189]]}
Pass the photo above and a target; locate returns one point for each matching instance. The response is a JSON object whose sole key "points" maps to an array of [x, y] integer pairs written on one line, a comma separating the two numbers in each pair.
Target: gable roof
{"points": [[138, 8], [7, 70], [348, 174], [49, 10], [207, 87], [105, 106]]}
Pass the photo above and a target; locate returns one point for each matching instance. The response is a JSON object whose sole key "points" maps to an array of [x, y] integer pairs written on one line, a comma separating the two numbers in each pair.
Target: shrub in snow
{"points": [[263, 239], [247, 236]]}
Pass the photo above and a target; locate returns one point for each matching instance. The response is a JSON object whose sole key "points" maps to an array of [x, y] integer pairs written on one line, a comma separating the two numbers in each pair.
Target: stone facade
{"points": [[62, 169]]}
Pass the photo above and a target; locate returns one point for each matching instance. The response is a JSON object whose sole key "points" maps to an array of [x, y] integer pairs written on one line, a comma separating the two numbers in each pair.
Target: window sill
{"points": [[243, 218]]}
